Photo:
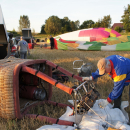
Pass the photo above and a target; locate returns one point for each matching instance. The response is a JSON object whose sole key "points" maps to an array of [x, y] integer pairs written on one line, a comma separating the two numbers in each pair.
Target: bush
{"points": [[118, 29]]}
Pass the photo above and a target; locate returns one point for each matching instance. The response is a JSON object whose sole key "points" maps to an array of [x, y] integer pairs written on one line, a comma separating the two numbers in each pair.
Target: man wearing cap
{"points": [[118, 68]]}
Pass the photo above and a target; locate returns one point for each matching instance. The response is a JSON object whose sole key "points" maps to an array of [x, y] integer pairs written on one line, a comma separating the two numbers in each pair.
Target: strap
{"points": [[72, 75], [36, 72], [56, 83], [37, 115], [57, 66], [57, 121]]}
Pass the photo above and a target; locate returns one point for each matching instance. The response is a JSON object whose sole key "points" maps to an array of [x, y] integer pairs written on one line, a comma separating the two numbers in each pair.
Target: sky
{"points": [[40, 10]]}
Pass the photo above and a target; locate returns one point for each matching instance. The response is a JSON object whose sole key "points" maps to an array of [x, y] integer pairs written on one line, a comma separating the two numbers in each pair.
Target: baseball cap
{"points": [[101, 66]]}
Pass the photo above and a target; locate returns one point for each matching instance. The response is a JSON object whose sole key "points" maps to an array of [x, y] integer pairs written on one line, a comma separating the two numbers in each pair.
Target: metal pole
{"points": [[75, 105], [80, 85]]}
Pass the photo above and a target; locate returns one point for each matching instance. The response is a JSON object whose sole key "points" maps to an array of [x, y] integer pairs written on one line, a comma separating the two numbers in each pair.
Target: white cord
{"points": [[27, 105]]}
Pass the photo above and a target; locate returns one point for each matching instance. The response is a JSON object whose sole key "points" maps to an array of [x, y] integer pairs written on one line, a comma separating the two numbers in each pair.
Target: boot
{"points": [[117, 102]]}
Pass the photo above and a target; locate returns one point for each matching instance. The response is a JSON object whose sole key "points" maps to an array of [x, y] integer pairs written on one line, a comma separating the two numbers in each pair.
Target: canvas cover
{"points": [[3, 31]]}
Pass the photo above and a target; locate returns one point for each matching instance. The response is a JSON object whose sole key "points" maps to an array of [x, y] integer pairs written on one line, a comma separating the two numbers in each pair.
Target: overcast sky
{"points": [[40, 10]]}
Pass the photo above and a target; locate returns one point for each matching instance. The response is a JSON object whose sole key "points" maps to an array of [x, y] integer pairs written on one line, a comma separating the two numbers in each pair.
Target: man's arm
{"points": [[18, 45], [28, 49], [96, 74], [17, 48]]}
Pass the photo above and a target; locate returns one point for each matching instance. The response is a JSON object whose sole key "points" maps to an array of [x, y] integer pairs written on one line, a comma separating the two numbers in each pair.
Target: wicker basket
{"points": [[9, 85]]}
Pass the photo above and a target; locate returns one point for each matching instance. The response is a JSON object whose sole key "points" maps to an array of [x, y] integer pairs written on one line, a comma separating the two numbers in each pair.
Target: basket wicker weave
{"points": [[9, 85]]}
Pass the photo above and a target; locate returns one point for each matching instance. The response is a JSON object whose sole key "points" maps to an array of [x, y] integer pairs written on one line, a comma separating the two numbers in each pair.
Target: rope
{"points": [[27, 105]]}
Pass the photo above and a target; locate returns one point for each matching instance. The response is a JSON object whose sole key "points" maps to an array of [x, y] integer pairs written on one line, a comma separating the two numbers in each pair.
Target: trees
{"points": [[87, 24], [126, 18], [53, 25], [65, 25], [97, 24], [77, 24], [33, 32], [72, 25], [14, 32], [106, 21], [42, 29], [118, 29], [24, 22]]}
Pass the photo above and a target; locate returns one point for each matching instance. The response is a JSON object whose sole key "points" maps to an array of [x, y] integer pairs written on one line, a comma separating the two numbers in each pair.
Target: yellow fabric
{"points": [[102, 40], [112, 35], [74, 45], [107, 29], [48, 40], [114, 42], [109, 128], [119, 78], [123, 38]]}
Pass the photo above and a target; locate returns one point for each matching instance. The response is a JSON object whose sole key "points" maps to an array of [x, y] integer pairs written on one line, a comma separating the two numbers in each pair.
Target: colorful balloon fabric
{"points": [[93, 39]]}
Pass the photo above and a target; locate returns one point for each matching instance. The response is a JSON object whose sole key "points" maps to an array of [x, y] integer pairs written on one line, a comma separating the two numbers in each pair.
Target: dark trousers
{"points": [[23, 54], [52, 45], [117, 102]]}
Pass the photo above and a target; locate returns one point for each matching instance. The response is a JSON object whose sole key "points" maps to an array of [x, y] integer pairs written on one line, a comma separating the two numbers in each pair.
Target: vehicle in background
{"points": [[4, 45], [5, 49], [27, 36]]}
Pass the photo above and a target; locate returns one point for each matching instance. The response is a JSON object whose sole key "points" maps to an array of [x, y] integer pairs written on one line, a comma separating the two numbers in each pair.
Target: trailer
{"points": [[27, 35], [4, 45]]}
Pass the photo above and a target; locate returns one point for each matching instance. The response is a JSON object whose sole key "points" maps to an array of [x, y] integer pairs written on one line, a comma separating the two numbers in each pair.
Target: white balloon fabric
{"points": [[91, 121]]}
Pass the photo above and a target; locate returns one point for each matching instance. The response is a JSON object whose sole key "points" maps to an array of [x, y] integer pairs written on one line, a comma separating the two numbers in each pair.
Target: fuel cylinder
{"points": [[32, 92]]}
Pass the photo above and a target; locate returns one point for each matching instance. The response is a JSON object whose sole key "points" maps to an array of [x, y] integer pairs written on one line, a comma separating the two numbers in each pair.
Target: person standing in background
{"points": [[23, 48], [10, 40], [52, 42]]}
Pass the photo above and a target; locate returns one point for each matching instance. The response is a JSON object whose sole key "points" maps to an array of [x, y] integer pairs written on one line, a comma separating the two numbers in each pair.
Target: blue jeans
{"points": [[23, 54]]}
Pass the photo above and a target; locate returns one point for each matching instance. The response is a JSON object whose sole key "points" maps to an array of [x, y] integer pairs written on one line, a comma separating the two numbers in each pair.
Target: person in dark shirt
{"points": [[52, 42]]}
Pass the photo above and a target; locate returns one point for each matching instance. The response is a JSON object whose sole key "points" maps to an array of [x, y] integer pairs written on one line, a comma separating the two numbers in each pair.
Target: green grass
{"points": [[126, 33]]}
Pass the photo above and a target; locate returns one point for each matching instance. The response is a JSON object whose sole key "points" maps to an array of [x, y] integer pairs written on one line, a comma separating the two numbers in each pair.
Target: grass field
{"points": [[65, 60]]}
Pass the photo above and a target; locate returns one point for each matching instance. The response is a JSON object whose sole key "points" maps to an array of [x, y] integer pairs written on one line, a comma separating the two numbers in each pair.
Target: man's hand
{"points": [[103, 103], [86, 78]]}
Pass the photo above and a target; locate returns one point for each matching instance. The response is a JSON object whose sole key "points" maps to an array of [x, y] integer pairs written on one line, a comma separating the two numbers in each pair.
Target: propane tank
{"points": [[85, 70], [32, 92], [40, 94]]}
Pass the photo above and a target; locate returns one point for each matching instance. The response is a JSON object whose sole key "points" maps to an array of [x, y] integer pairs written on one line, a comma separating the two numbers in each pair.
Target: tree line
{"points": [[55, 25]]}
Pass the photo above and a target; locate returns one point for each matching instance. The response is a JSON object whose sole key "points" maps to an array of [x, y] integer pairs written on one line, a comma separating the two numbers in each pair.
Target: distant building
{"points": [[117, 24]]}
